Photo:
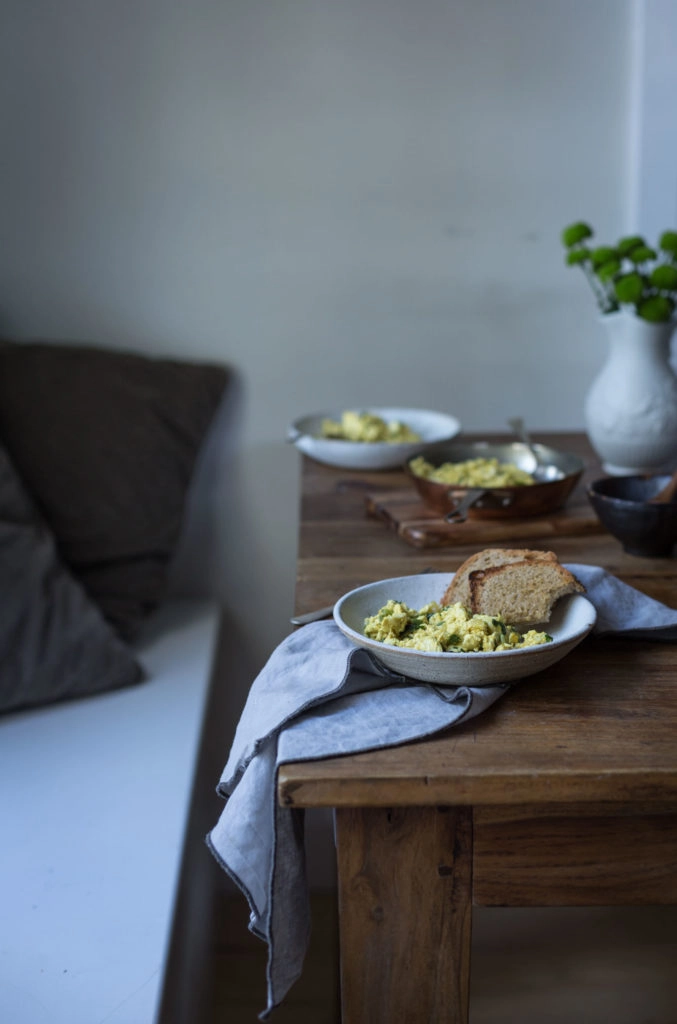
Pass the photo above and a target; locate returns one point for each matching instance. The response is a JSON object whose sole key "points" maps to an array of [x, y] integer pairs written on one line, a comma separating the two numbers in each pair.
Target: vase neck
{"points": [[631, 332]]}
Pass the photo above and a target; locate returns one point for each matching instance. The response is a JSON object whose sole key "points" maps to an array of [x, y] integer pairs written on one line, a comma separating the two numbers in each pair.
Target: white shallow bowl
{"points": [[572, 619], [305, 433]]}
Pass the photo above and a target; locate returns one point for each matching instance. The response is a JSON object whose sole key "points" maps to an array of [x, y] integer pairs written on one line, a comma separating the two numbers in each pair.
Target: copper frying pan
{"points": [[559, 474]]}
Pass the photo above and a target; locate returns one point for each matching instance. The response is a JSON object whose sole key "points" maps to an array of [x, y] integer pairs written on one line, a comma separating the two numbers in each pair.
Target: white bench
{"points": [[95, 799]]}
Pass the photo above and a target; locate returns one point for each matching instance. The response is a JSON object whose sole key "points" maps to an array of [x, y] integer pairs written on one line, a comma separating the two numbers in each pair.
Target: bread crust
{"points": [[459, 588]]}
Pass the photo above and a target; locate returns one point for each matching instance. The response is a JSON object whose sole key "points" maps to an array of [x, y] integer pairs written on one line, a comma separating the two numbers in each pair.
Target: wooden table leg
{"points": [[405, 882]]}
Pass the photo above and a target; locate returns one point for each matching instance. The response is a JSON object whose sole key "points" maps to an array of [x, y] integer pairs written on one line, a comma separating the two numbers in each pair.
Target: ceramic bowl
{"points": [[572, 619], [622, 506], [431, 427]]}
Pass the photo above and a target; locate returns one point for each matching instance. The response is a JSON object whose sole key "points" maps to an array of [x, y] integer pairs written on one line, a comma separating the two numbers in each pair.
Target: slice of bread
{"points": [[524, 593], [459, 588]]}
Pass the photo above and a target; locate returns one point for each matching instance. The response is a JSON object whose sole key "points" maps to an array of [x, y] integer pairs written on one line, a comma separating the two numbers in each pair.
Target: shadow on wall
{"points": [[201, 562], [238, 544]]}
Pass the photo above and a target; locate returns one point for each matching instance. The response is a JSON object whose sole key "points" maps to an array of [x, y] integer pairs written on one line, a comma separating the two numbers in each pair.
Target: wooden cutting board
{"points": [[419, 526]]}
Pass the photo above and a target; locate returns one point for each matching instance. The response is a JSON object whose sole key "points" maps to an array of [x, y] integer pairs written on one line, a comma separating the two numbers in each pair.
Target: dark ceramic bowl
{"points": [[623, 507]]}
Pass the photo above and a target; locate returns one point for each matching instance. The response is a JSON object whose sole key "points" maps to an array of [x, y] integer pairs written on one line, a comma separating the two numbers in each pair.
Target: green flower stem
{"points": [[604, 300]]}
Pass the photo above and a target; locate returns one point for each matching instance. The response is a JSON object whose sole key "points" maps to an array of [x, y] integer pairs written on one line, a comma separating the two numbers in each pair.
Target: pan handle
{"points": [[471, 497], [460, 513]]}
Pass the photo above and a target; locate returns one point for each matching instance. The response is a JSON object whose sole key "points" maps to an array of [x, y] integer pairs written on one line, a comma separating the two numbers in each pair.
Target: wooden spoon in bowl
{"points": [[667, 493]]}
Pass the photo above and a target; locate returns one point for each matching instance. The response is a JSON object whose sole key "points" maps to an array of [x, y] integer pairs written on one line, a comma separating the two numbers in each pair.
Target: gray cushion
{"points": [[54, 642], [106, 443]]}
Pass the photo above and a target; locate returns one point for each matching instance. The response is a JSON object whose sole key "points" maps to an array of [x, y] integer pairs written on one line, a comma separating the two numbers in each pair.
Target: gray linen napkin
{"points": [[622, 610], [319, 696]]}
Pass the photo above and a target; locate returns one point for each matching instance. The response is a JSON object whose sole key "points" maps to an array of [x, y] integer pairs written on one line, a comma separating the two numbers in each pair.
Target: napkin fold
{"points": [[320, 696]]}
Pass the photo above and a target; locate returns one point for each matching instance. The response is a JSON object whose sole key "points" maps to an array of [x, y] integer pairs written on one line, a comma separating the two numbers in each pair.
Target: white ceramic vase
{"points": [[631, 408]]}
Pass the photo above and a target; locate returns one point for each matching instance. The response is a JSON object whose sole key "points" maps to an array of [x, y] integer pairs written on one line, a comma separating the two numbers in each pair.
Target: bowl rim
{"points": [[631, 503]]}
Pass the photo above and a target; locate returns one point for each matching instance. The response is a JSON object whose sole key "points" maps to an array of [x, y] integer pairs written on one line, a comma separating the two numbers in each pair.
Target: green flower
{"points": [[668, 242], [642, 254], [664, 278], [576, 233], [603, 254], [657, 309], [626, 245], [607, 271], [629, 287], [577, 256]]}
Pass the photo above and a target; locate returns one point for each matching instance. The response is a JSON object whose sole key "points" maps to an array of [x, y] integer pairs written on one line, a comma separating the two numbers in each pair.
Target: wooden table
{"points": [[564, 793]]}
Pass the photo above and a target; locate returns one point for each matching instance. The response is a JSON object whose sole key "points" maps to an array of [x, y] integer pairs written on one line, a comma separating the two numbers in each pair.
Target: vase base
{"points": [[614, 470]]}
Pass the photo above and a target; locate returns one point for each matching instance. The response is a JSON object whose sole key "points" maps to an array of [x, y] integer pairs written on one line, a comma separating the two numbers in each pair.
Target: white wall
{"points": [[348, 202], [653, 137]]}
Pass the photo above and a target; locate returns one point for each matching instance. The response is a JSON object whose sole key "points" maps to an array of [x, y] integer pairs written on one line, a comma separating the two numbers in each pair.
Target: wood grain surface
{"points": [[563, 793], [599, 726], [416, 524], [382, 963], [610, 861]]}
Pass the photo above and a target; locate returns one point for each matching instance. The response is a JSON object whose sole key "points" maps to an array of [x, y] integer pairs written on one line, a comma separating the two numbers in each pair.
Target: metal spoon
{"points": [[541, 473], [328, 610], [319, 613]]}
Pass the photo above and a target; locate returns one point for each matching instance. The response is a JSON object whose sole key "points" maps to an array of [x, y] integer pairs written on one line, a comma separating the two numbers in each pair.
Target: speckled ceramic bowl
{"points": [[572, 619], [623, 507]]}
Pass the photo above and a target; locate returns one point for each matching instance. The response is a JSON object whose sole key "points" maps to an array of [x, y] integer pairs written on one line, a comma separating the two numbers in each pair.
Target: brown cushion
{"points": [[54, 642], [106, 443]]}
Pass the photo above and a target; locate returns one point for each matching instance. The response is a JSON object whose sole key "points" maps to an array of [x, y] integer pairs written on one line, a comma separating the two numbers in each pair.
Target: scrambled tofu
{"points": [[472, 473], [446, 628], [365, 426]]}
